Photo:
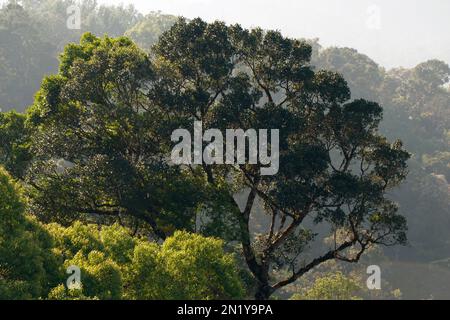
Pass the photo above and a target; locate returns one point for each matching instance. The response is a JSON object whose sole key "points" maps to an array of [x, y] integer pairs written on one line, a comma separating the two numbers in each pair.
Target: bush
{"points": [[28, 267]]}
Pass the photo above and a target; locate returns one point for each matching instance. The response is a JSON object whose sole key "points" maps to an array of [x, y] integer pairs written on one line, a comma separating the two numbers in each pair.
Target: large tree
{"points": [[335, 168], [24, 57], [111, 111]]}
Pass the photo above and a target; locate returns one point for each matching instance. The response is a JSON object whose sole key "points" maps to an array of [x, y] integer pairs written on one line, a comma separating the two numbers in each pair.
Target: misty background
{"points": [[393, 33]]}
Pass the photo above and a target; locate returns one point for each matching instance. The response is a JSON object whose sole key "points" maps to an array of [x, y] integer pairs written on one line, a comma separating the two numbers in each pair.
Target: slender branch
{"points": [[328, 256]]}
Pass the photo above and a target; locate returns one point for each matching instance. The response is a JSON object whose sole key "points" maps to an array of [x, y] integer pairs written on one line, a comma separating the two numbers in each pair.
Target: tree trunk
{"points": [[263, 292]]}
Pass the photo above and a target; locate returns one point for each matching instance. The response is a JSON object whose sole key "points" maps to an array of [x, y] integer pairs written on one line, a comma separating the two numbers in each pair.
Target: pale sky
{"points": [[392, 32]]}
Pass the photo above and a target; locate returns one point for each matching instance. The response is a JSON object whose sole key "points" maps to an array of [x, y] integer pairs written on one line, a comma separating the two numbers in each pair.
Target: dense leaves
{"points": [[94, 145], [28, 267], [116, 265], [98, 150]]}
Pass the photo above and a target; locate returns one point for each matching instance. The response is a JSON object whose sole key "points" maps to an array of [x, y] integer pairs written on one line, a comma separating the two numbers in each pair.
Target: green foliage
{"points": [[101, 276], [334, 286], [94, 118], [186, 266], [14, 143], [95, 253], [116, 265], [27, 266], [62, 293]]}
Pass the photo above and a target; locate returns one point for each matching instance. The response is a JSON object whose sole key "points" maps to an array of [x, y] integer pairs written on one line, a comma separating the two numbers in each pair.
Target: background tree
{"points": [[34, 32], [415, 104], [363, 75], [24, 57], [147, 31]]}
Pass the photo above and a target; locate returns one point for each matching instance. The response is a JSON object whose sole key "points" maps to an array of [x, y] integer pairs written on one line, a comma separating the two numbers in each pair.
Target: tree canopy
{"points": [[104, 125]]}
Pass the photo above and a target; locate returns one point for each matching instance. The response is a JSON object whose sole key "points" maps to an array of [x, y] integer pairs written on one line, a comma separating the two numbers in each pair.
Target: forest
{"points": [[86, 121]]}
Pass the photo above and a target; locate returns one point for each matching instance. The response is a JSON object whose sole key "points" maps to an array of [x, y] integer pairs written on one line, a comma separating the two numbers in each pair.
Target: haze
{"points": [[393, 33]]}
